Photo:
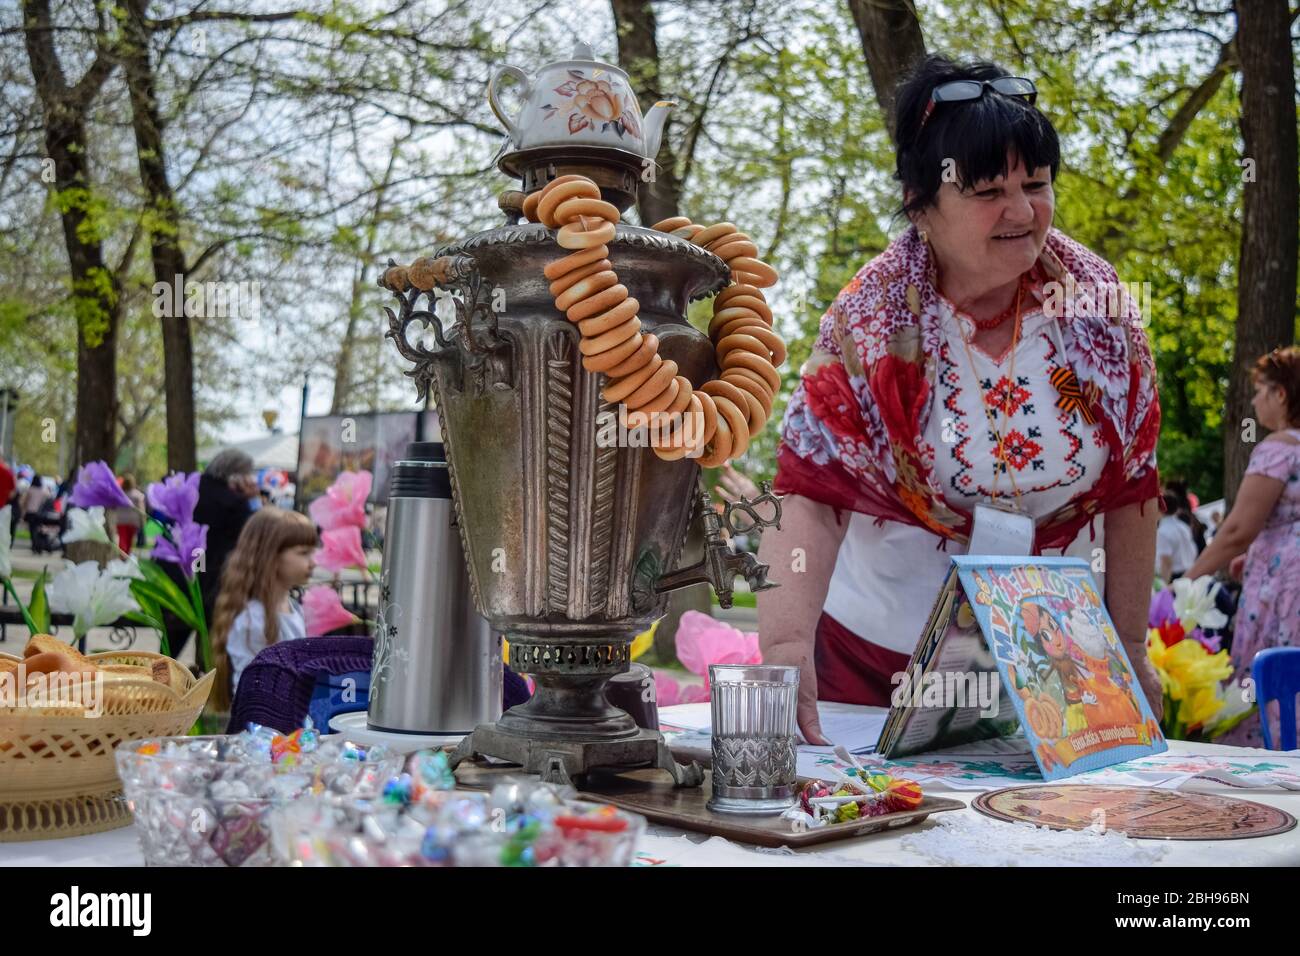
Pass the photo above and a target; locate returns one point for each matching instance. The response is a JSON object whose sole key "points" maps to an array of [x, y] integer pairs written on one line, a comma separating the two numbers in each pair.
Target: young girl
{"points": [[273, 554]]}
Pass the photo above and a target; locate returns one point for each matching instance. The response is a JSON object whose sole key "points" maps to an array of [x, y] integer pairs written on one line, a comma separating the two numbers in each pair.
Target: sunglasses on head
{"points": [[967, 91]]}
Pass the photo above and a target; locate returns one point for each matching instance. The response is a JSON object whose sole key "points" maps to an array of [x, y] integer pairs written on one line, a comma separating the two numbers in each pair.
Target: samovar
{"points": [[572, 542]]}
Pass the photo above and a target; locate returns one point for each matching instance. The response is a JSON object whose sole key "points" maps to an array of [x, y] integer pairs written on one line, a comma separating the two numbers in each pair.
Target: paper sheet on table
{"points": [[999, 762], [856, 728], [1006, 762]]}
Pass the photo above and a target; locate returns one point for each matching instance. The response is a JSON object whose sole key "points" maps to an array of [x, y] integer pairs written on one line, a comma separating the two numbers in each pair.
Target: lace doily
{"points": [[968, 839]]}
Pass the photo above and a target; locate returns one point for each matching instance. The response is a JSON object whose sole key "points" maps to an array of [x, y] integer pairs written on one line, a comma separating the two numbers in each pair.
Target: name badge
{"points": [[1001, 531]]}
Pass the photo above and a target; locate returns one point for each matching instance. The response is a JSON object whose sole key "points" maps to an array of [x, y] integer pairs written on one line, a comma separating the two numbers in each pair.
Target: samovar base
{"points": [[570, 761]]}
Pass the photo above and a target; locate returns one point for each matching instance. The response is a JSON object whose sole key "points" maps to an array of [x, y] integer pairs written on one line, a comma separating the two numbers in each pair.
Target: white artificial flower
{"points": [[93, 597], [128, 567], [1194, 603], [86, 524], [6, 562]]}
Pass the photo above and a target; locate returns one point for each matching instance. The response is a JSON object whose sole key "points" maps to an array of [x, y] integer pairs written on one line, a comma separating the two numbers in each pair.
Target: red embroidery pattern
{"points": [[1006, 397], [1018, 451]]}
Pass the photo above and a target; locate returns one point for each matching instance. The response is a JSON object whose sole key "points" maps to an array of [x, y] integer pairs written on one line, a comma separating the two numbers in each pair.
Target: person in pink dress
{"points": [[1264, 528]]}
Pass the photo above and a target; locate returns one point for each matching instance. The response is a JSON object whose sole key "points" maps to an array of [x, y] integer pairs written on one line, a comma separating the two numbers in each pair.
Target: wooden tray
{"points": [[652, 795]]}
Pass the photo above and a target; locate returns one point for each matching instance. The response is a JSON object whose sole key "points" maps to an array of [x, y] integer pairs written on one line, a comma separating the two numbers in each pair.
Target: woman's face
{"points": [[993, 231], [1269, 404], [296, 565]]}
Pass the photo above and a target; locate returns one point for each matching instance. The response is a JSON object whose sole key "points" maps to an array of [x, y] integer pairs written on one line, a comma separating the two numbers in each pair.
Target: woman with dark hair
{"points": [[983, 358], [1264, 525]]}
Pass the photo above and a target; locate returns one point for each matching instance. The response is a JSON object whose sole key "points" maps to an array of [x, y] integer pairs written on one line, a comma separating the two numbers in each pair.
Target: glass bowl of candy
{"points": [[520, 823], [205, 801]]}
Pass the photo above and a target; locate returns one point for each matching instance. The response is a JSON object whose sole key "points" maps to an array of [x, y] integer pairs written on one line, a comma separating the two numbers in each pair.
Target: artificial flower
{"points": [[97, 487], [668, 692], [341, 548], [324, 611], [1162, 608], [344, 502], [643, 641], [1194, 603], [185, 547], [176, 496], [703, 640], [93, 597], [128, 567], [86, 524]]}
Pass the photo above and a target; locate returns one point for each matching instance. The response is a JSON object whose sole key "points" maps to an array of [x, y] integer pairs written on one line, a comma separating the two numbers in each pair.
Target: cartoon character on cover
{"points": [[1043, 627], [1105, 703]]}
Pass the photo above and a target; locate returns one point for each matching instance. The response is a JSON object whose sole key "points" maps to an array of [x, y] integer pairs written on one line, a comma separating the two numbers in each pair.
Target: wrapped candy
{"points": [[521, 823], [431, 771], [398, 791], [861, 793], [205, 801]]}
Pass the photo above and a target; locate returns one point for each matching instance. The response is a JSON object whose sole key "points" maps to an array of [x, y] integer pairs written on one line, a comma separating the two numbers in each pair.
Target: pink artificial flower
{"points": [[669, 692], [344, 502], [324, 610], [341, 548], [703, 640]]}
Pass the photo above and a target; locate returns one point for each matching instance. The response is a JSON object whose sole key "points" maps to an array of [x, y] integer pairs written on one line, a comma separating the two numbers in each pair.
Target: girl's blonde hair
{"points": [[249, 574]]}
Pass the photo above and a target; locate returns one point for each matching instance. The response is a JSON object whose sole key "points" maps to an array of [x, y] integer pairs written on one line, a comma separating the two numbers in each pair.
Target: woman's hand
{"points": [[1150, 682], [1237, 568], [788, 614], [733, 485], [792, 655]]}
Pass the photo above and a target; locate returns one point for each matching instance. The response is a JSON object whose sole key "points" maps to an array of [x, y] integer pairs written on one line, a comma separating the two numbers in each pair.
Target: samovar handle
{"points": [[471, 348]]}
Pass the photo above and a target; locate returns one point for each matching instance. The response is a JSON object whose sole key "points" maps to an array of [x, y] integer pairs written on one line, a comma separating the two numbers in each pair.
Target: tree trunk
{"points": [[1266, 289], [95, 289], [638, 54], [892, 44], [164, 237]]}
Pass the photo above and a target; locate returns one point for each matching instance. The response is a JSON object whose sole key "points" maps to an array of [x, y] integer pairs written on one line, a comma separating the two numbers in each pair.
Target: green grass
{"points": [[739, 599]]}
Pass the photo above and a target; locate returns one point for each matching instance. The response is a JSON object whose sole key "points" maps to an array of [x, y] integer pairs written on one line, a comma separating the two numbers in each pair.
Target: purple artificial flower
{"points": [[1211, 644], [185, 547], [176, 496], [96, 487], [1162, 608]]}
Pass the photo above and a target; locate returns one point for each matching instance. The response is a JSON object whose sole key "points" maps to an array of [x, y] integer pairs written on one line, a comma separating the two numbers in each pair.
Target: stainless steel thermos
{"points": [[437, 664]]}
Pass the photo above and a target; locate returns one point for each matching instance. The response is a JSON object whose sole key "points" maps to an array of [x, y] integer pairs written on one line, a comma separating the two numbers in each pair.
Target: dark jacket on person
{"points": [[225, 512]]}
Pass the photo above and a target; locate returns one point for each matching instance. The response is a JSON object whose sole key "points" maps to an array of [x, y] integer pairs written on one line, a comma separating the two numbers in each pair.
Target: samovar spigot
{"points": [[720, 563]]}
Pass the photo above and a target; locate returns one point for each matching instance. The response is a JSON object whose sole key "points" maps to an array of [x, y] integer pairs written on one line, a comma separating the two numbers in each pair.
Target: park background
{"points": [[293, 147]]}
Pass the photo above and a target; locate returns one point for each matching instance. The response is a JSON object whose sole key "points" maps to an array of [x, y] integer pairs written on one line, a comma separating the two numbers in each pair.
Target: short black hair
{"points": [[976, 135]]}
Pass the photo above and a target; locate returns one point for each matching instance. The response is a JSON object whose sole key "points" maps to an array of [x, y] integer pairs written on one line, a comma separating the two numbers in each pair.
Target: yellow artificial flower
{"points": [[643, 641], [1192, 677]]}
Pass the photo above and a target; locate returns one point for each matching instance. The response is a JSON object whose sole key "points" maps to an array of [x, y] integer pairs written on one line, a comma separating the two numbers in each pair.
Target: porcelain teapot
{"points": [[579, 102]]}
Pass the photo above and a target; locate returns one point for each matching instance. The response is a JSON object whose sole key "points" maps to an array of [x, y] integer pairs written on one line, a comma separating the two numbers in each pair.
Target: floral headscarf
{"points": [[853, 435]]}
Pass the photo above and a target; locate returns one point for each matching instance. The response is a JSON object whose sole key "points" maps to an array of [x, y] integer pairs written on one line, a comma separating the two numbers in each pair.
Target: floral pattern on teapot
{"points": [[593, 102]]}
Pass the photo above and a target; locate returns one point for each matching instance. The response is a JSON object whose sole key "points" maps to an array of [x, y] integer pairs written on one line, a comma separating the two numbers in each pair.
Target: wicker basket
{"points": [[57, 774]]}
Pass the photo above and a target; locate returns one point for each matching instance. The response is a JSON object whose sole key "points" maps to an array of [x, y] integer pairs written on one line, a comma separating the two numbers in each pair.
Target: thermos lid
{"points": [[422, 473], [425, 451]]}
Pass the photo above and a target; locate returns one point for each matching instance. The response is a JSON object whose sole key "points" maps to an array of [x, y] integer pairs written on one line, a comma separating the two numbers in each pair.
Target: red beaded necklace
{"points": [[984, 325]]}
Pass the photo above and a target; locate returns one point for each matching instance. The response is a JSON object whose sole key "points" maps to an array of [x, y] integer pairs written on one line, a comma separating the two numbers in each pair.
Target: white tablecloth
{"points": [[907, 847]]}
